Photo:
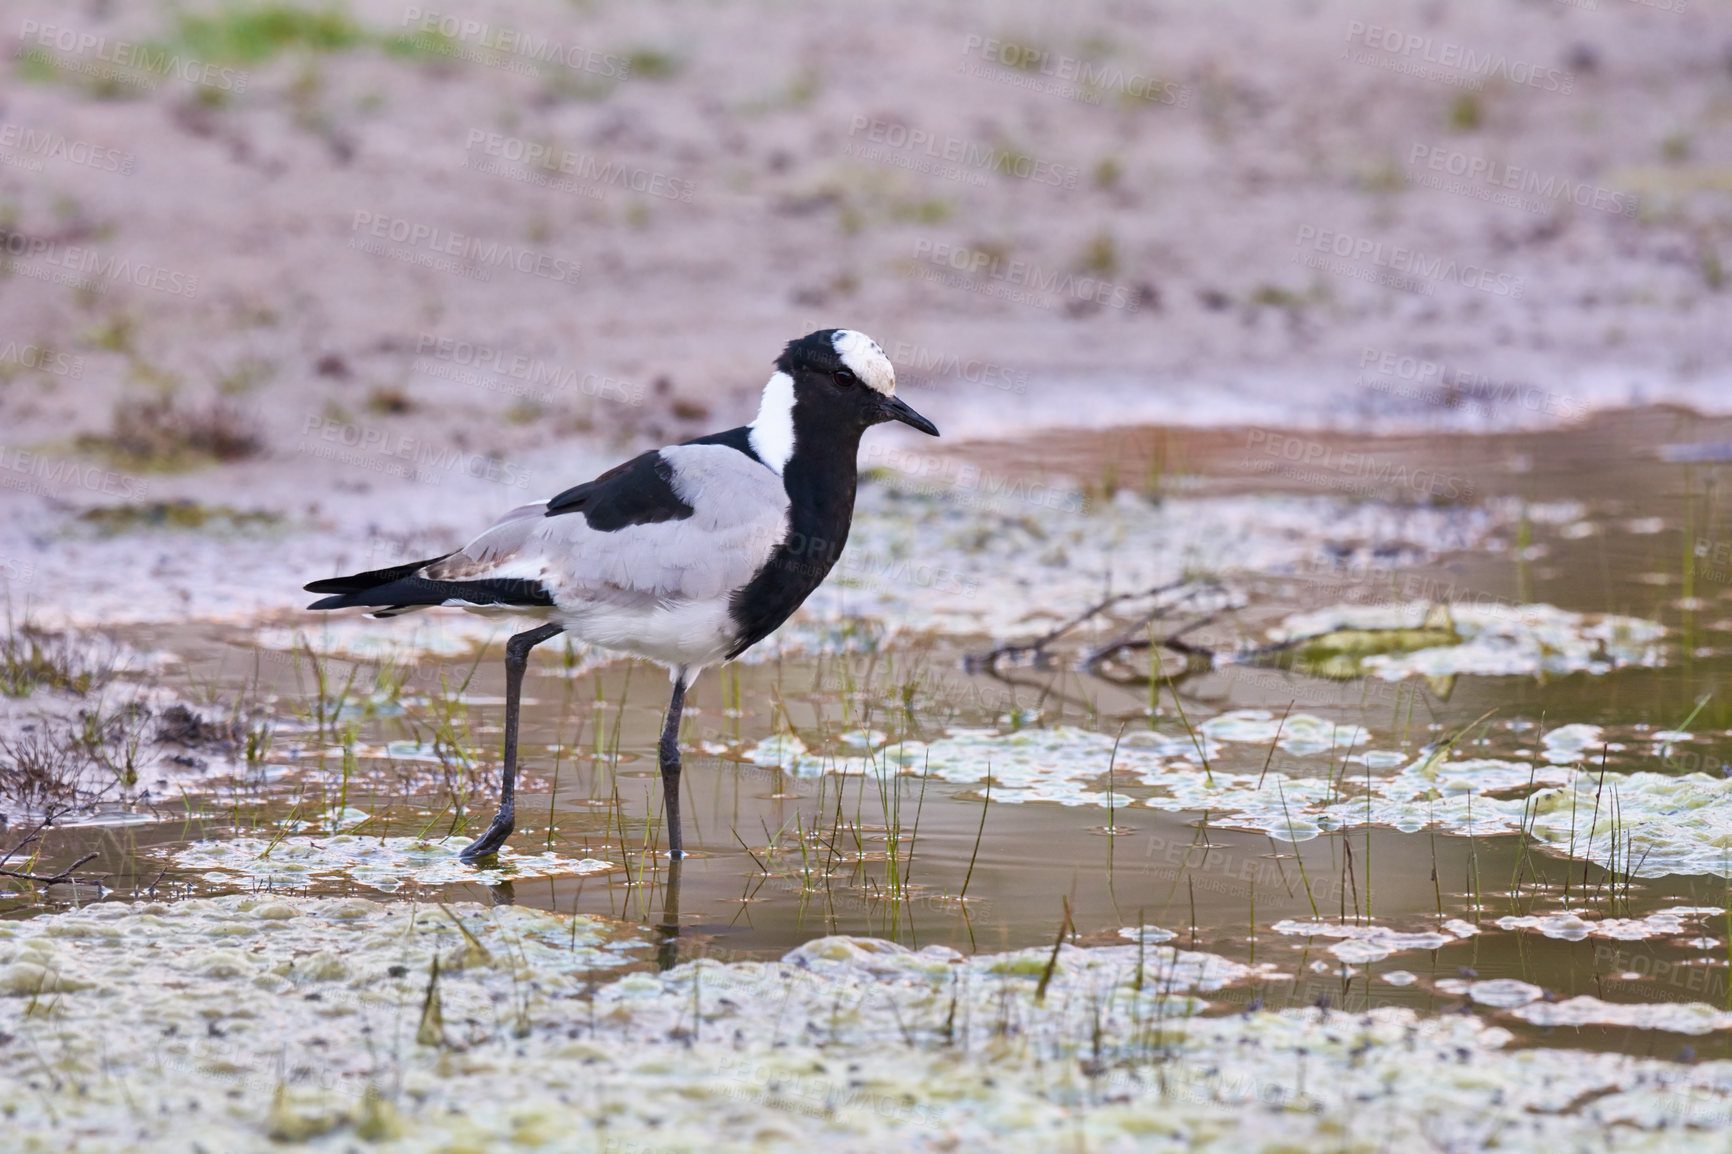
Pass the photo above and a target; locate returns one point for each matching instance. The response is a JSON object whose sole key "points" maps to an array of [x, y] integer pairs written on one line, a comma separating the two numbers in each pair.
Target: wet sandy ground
{"points": [[1216, 150]]}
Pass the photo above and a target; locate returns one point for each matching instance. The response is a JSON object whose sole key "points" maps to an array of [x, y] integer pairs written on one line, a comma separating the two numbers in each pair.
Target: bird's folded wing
{"points": [[690, 522]]}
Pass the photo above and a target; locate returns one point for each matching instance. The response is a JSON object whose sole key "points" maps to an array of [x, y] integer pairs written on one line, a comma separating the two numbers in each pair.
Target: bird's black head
{"points": [[840, 378]]}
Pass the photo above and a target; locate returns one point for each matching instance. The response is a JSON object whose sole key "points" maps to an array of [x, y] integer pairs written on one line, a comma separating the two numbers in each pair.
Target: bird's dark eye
{"points": [[846, 378]]}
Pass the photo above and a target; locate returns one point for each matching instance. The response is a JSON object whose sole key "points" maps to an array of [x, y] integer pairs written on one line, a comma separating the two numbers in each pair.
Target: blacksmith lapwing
{"points": [[687, 555]]}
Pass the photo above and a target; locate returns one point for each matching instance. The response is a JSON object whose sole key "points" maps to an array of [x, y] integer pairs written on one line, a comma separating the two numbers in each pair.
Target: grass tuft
{"points": [[160, 434], [237, 33], [33, 658]]}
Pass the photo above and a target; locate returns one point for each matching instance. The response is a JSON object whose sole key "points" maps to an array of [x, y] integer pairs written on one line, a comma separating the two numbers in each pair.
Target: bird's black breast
{"points": [[820, 513], [639, 492]]}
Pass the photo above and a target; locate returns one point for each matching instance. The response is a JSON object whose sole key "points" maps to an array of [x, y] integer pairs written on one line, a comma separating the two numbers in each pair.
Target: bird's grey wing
{"points": [[738, 515], [689, 522]]}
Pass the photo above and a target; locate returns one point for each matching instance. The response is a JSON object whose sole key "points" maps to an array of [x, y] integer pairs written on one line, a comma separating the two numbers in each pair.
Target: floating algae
{"points": [[1060, 763], [1055, 764], [1300, 734], [1586, 1010], [385, 864], [1005, 566], [1341, 651], [787, 752], [1147, 934], [1495, 640], [1571, 743], [1361, 944], [239, 1022], [1573, 927], [1499, 993], [1664, 823]]}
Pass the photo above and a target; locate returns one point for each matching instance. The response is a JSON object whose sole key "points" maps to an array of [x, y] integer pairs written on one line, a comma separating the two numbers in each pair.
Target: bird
{"points": [[687, 555]]}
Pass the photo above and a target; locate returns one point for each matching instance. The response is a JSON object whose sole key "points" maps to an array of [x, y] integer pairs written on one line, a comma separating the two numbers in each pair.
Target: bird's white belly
{"points": [[694, 633]]}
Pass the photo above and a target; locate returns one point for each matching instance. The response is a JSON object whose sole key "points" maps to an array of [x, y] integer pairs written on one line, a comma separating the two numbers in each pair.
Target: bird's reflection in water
{"points": [[668, 929], [503, 894]]}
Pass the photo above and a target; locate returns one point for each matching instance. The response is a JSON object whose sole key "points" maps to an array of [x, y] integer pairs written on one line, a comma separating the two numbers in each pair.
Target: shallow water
{"points": [[1345, 821]]}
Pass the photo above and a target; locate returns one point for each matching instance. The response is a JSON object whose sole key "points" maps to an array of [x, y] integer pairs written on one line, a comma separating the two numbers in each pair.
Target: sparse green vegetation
{"points": [[644, 63], [421, 45], [1278, 297], [32, 658], [159, 434], [116, 334], [799, 92], [245, 376], [933, 210], [1381, 178], [110, 520], [803, 88], [1466, 112], [1100, 256], [254, 33]]}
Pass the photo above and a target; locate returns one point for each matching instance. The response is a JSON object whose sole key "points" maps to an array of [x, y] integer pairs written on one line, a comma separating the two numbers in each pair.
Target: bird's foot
{"points": [[488, 843]]}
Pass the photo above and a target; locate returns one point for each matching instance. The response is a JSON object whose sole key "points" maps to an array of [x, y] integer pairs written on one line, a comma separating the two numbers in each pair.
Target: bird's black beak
{"points": [[896, 409]]}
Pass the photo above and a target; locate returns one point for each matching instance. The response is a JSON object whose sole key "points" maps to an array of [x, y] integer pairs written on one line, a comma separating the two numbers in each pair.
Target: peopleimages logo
{"points": [[442, 242], [541, 380], [515, 42], [934, 473], [40, 145], [33, 473], [921, 365], [42, 359], [582, 166], [1437, 383], [1406, 261], [1525, 188], [1310, 460], [384, 451], [1026, 278], [956, 151], [1414, 48], [74, 264], [1086, 73]]}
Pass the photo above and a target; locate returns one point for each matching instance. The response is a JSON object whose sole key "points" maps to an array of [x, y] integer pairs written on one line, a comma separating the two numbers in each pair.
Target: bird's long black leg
{"points": [[516, 660], [670, 759]]}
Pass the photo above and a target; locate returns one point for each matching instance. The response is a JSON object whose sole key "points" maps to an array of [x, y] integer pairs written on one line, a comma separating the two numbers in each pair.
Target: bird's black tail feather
{"points": [[361, 582], [392, 590]]}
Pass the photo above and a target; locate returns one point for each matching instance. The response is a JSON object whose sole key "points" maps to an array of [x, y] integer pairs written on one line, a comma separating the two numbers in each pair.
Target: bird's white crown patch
{"points": [[868, 362]]}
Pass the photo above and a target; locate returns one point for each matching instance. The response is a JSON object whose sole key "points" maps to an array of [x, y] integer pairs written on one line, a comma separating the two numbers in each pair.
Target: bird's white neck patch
{"points": [[862, 354], [772, 431]]}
